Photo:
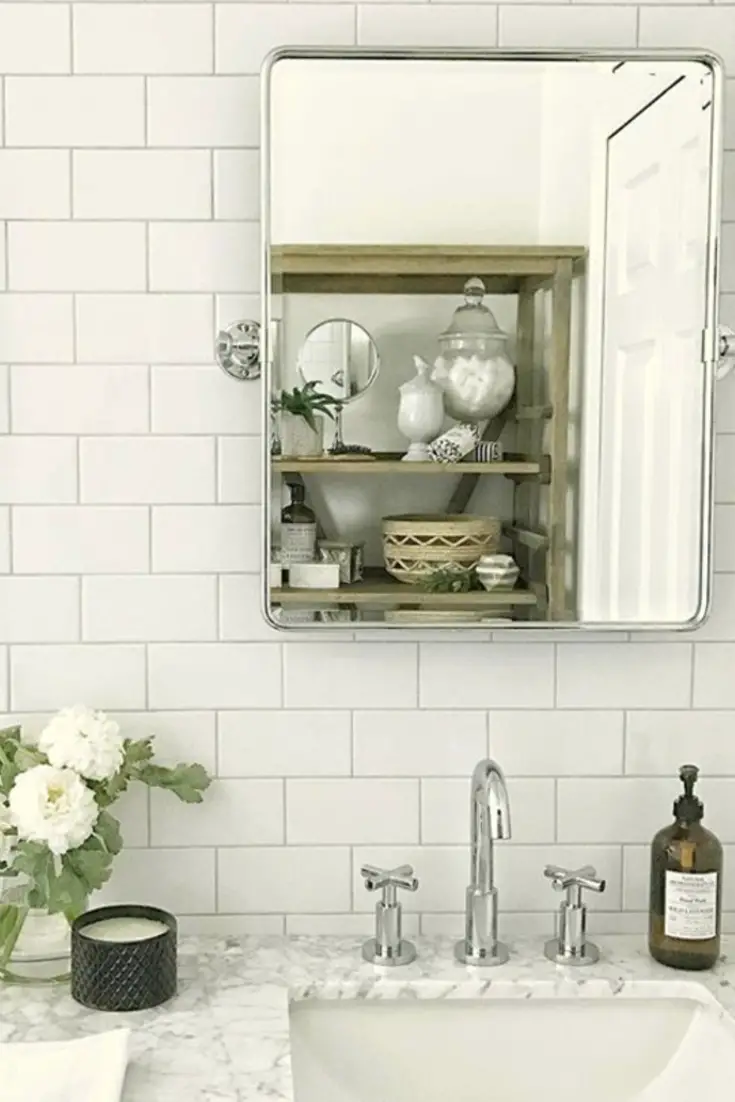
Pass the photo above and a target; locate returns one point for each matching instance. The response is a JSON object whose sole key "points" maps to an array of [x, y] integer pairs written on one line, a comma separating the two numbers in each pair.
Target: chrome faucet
{"points": [[489, 821]]}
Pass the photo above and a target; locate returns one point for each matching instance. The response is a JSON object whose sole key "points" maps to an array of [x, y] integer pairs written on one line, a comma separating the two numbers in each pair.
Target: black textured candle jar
{"points": [[123, 957]]}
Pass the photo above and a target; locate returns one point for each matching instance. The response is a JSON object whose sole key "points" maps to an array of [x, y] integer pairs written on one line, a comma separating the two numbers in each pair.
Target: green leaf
{"points": [[107, 829], [26, 757], [90, 867], [185, 781], [37, 862]]}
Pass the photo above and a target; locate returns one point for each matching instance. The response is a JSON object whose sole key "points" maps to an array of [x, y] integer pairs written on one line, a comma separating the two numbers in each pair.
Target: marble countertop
{"points": [[224, 1038]]}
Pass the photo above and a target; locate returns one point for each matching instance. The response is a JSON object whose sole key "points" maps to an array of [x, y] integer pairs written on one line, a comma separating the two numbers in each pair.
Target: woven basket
{"points": [[416, 545]]}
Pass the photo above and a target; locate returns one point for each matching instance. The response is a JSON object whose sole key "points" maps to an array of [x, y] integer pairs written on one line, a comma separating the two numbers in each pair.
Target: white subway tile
{"points": [[35, 38], [725, 468], [80, 540], [656, 743], [246, 33], [203, 111], [298, 879], [557, 743], [635, 675], [39, 610], [209, 538], [637, 876], [4, 685], [4, 398], [51, 677], [197, 399], [178, 736], [427, 25], [730, 114], [178, 880], [205, 256], [724, 537], [149, 608], [35, 183], [727, 267], [239, 469], [144, 328], [725, 404], [350, 675], [36, 328], [229, 308], [236, 184], [720, 624], [76, 256], [142, 183], [74, 111], [5, 540], [132, 812], [714, 685], [485, 675], [620, 809], [418, 743], [352, 810], [511, 925], [567, 26], [230, 925], [38, 469], [283, 744], [78, 398], [701, 25], [3, 257], [240, 614], [349, 925], [234, 813], [142, 38], [214, 675], [728, 187], [445, 810], [145, 470]]}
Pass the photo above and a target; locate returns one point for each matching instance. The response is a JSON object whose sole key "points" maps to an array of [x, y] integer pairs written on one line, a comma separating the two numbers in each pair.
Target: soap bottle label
{"points": [[691, 905], [298, 543]]}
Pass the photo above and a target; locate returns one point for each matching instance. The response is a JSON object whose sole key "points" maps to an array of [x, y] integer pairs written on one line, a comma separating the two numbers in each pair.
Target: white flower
{"points": [[7, 840], [78, 738], [53, 806]]}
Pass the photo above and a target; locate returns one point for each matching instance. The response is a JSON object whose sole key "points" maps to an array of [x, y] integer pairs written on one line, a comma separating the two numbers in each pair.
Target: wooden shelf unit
{"points": [[379, 590], [540, 409]]}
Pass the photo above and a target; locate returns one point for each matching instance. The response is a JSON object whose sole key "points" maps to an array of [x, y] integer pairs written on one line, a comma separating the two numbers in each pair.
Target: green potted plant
{"points": [[58, 837], [302, 411]]}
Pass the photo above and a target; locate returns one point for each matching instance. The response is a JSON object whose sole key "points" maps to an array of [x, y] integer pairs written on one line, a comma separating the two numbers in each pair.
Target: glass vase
{"points": [[35, 946]]}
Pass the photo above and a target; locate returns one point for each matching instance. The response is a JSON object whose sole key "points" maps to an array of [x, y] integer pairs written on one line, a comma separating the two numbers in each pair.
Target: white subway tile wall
{"points": [[129, 507]]}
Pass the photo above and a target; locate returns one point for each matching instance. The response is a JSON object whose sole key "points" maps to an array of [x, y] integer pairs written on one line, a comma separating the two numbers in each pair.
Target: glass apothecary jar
{"points": [[473, 367]]}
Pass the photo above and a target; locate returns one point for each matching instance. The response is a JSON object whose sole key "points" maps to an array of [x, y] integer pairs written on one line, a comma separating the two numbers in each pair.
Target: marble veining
{"points": [[224, 1038]]}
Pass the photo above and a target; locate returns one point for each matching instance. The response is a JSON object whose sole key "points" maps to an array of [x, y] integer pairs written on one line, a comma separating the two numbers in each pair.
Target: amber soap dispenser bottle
{"points": [[686, 886]]}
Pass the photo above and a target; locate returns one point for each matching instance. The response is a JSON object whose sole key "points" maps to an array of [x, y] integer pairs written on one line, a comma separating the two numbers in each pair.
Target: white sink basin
{"points": [[517, 1049]]}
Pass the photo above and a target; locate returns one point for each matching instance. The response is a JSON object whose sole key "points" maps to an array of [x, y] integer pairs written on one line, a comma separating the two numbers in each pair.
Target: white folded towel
{"points": [[90, 1069]]}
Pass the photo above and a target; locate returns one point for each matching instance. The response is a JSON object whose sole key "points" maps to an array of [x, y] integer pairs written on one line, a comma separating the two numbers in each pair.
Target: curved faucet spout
{"points": [[489, 821]]}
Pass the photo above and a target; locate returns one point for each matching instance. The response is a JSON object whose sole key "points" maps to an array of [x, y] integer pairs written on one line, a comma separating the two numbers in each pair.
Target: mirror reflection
{"points": [[527, 263]]}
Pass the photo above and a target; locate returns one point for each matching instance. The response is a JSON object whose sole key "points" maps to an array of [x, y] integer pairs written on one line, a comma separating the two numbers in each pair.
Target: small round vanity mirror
{"points": [[342, 357]]}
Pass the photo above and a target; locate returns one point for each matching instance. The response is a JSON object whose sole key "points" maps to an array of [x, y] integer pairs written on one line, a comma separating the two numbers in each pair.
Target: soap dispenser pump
{"points": [[686, 886]]}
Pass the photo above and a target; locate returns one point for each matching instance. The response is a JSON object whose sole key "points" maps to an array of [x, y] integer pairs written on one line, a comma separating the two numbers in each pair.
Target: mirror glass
{"points": [[511, 262]]}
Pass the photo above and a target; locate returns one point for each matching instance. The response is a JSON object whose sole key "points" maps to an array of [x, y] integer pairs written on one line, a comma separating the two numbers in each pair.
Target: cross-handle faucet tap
{"points": [[489, 822]]}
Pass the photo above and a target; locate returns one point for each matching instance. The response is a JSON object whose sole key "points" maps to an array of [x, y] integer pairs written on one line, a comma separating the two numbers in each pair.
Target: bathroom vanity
{"points": [[246, 1006]]}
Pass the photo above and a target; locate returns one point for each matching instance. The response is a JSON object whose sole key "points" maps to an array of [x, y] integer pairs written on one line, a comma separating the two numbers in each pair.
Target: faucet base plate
{"points": [[552, 952], [405, 954], [481, 957]]}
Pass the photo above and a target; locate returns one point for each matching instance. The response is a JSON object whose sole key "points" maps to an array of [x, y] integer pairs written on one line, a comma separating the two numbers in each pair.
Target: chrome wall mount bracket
{"points": [[725, 351], [237, 350]]}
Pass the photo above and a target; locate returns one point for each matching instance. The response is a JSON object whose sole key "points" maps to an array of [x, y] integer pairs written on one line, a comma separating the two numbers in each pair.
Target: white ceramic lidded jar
{"points": [[421, 411], [473, 368]]}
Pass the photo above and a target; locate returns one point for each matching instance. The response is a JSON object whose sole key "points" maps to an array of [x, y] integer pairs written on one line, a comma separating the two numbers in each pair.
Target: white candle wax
{"points": [[127, 928]]}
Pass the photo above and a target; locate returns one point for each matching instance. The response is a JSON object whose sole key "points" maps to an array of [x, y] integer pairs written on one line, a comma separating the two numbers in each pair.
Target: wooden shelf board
{"points": [[397, 466], [380, 589]]}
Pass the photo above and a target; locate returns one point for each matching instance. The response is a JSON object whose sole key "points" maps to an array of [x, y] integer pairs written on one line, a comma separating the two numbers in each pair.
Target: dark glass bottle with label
{"points": [[686, 886], [298, 529]]}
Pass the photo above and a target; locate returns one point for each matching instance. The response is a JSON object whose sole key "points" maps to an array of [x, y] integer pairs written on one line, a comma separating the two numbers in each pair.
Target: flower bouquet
{"points": [[58, 837]]}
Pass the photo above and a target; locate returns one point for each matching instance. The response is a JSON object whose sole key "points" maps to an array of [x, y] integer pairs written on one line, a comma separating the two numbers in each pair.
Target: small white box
{"points": [[314, 575], [275, 575]]}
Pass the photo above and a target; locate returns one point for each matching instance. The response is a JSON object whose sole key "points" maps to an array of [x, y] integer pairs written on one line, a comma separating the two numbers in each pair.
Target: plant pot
{"points": [[35, 946], [298, 438]]}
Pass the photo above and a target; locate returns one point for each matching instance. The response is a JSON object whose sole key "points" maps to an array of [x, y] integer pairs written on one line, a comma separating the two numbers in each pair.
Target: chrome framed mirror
{"points": [[546, 312]]}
